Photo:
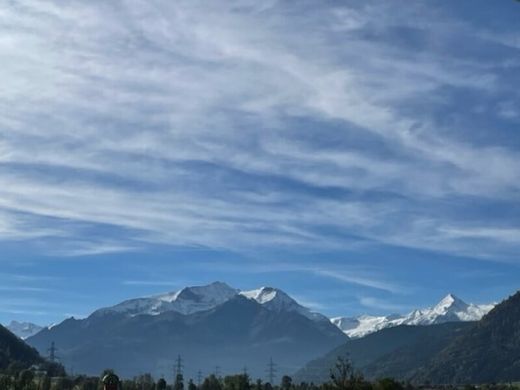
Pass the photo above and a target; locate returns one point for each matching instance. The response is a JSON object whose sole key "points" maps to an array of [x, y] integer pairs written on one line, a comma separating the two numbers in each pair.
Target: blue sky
{"points": [[362, 156]]}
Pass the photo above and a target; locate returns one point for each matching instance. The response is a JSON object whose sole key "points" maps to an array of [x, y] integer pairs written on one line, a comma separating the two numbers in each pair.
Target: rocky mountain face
{"points": [[449, 309], [207, 325]]}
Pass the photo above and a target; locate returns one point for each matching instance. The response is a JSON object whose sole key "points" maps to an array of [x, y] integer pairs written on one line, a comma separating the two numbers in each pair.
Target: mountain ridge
{"points": [[448, 309], [190, 300], [449, 353], [241, 330]]}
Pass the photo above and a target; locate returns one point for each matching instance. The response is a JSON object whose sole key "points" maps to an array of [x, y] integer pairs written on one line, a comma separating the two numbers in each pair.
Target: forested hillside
{"points": [[487, 352], [392, 352], [14, 351]]}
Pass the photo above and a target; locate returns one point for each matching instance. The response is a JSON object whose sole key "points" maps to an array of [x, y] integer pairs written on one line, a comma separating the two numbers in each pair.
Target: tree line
{"points": [[342, 377]]}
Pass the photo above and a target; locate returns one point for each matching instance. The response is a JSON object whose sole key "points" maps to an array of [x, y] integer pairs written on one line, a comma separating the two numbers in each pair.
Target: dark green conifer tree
{"points": [[286, 382], [45, 383], [161, 384], [179, 382], [191, 385], [211, 383]]}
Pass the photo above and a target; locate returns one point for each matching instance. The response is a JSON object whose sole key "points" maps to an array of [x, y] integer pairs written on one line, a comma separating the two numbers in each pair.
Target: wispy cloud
{"points": [[18, 277], [504, 235], [150, 283], [370, 282], [379, 304], [310, 304], [74, 248], [24, 288], [237, 126]]}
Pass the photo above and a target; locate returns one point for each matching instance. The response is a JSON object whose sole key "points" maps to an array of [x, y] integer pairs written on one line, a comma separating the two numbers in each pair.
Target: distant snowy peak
{"points": [[449, 309], [24, 330], [355, 327], [277, 300]]}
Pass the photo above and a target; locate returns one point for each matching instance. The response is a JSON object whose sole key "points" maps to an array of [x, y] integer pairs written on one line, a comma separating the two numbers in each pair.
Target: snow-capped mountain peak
{"points": [[449, 309], [216, 292], [188, 300], [450, 302], [270, 296], [277, 300], [24, 330]]}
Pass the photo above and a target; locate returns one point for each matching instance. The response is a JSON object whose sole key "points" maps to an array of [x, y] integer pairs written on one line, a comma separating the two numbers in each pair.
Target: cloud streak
{"points": [[235, 126], [364, 281]]}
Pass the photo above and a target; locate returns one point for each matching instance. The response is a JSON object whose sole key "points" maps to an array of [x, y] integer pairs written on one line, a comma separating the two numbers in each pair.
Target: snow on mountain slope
{"points": [[449, 309], [356, 327], [200, 298], [23, 329], [277, 300], [185, 301]]}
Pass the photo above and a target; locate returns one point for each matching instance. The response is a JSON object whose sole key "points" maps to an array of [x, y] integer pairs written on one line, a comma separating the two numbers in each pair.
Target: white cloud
{"points": [[171, 121], [365, 281], [375, 303], [505, 235]]}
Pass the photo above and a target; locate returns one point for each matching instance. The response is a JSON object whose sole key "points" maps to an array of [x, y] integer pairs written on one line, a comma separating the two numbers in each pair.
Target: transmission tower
{"points": [[52, 353], [178, 366], [271, 371], [217, 371], [244, 371], [199, 378]]}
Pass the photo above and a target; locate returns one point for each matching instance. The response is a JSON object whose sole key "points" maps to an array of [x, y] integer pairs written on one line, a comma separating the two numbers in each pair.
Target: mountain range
{"points": [[484, 351], [207, 325], [200, 298], [449, 309], [217, 325]]}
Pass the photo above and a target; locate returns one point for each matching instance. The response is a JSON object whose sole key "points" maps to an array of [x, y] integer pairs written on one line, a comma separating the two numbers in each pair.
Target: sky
{"points": [[363, 156]]}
